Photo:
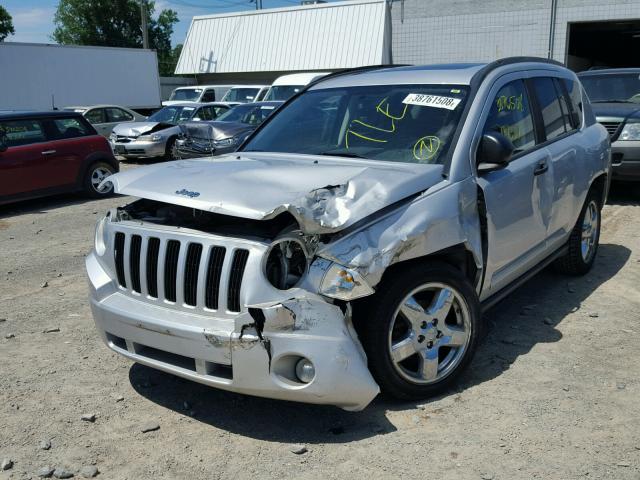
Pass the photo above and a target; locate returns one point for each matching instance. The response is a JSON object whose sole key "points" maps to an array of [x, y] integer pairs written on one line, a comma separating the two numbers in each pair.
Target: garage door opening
{"points": [[612, 44]]}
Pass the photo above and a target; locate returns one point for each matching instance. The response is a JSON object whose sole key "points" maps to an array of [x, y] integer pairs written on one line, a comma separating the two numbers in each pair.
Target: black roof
{"points": [[19, 115]]}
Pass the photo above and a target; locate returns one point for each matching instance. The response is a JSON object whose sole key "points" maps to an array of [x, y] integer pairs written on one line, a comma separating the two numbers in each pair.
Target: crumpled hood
{"points": [[214, 130], [324, 194], [135, 129]]}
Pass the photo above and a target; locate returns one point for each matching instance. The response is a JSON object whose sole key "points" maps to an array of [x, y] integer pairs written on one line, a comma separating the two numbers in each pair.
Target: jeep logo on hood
{"points": [[187, 193]]}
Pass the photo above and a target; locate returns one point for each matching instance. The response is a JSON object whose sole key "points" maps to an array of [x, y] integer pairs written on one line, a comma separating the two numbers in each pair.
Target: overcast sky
{"points": [[33, 19]]}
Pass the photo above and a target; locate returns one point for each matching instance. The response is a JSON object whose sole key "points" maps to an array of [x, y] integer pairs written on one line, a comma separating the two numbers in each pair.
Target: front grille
{"points": [[181, 272], [612, 127], [124, 139]]}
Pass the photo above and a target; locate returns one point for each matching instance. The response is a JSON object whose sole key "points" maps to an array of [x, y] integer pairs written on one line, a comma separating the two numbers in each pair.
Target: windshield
{"points": [[186, 94], [282, 92], [622, 87], [400, 123], [240, 95], [249, 114], [173, 114]]}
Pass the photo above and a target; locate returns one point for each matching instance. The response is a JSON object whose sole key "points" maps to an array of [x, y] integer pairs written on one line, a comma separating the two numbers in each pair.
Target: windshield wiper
{"points": [[332, 153]]}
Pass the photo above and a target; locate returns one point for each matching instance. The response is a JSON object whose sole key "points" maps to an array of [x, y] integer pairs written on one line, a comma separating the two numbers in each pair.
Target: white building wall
{"points": [[435, 31]]}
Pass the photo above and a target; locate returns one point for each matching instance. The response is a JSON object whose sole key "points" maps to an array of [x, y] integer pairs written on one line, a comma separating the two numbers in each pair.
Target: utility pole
{"points": [[258, 4], [145, 29]]}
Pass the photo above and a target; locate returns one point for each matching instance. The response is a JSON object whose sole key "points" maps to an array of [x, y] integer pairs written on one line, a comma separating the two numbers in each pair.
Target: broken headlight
{"points": [[226, 142], [286, 263], [344, 283]]}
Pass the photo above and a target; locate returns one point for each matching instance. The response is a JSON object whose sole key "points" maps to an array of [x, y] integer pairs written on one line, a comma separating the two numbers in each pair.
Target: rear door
{"points": [[26, 165], [98, 118], [560, 128], [115, 116], [517, 197]]}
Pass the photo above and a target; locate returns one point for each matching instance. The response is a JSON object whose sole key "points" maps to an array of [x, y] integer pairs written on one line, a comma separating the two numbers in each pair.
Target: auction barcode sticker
{"points": [[431, 101]]}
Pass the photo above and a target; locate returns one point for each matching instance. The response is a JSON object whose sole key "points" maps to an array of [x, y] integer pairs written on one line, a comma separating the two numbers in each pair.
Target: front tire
{"points": [[171, 150], [584, 240], [422, 330], [93, 178]]}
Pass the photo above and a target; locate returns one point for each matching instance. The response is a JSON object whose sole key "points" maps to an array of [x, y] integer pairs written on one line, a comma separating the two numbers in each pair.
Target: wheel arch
{"points": [[600, 184], [90, 160]]}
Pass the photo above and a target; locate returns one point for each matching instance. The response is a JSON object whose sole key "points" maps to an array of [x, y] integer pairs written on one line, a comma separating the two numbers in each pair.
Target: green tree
{"points": [[6, 24], [115, 23]]}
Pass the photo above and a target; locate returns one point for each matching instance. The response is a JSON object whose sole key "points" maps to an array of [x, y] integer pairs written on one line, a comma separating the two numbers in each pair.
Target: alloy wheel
{"points": [[429, 333]]}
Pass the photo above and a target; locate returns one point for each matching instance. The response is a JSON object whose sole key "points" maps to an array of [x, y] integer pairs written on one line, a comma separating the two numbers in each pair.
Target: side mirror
{"points": [[494, 152]]}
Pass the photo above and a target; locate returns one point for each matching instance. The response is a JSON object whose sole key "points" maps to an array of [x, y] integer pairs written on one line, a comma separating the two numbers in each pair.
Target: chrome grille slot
{"points": [[612, 127], [240, 258], [194, 252], [183, 271], [118, 256], [153, 249], [171, 269], [214, 273], [134, 262]]}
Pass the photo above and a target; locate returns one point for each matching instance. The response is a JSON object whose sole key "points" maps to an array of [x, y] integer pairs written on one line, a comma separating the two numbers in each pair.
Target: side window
{"points": [[95, 116], [117, 115], [209, 96], [21, 132], [552, 116], [69, 128], [564, 105], [511, 116], [575, 96], [205, 113]]}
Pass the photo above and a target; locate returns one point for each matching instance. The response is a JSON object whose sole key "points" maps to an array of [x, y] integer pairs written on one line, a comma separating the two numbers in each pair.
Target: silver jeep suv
{"points": [[353, 241]]}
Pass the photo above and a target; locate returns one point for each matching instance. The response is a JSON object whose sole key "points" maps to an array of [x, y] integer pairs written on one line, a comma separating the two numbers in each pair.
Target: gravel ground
{"points": [[552, 394]]}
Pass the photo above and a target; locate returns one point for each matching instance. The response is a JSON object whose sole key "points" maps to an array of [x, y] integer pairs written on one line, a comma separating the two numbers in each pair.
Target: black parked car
{"points": [[226, 133], [615, 98]]}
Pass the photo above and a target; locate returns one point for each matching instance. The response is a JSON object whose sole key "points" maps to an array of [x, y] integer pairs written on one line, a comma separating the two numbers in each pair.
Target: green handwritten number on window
{"points": [[511, 103]]}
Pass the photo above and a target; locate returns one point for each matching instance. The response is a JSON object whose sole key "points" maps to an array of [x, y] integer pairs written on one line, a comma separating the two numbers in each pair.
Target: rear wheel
{"points": [[422, 331], [584, 239], [93, 178]]}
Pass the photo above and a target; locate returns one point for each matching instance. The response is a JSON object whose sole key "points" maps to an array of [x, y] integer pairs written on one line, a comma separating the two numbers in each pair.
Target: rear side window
{"points": [[21, 132], [69, 128], [95, 116], [575, 97], [511, 116], [118, 115], [550, 108], [209, 96]]}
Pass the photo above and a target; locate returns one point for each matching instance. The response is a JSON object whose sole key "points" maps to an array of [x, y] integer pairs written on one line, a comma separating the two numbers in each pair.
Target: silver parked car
{"points": [[157, 136], [105, 117], [353, 241]]}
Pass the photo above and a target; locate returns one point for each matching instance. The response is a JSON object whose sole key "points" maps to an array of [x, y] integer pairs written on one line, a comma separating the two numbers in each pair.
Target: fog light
{"points": [[305, 371]]}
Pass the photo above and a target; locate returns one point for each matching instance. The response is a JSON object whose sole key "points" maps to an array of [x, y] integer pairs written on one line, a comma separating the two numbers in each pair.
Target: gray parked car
{"points": [[615, 96], [353, 241], [105, 117], [226, 133], [157, 136]]}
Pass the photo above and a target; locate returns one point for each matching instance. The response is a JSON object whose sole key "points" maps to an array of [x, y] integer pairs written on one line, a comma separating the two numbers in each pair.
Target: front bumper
{"points": [[239, 354], [137, 149], [190, 150], [625, 157]]}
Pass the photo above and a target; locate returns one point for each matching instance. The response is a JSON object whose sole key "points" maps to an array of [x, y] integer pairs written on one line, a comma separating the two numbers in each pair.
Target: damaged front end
{"points": [[226, 302]]}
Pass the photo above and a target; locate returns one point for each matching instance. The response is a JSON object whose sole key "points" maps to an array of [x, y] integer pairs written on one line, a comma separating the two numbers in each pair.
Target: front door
{"points": [[518, 198], [26, 165]]}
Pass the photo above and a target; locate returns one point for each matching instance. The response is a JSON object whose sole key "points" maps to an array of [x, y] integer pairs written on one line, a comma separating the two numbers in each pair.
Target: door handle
{"points": [[541, 167], [48, 152]]}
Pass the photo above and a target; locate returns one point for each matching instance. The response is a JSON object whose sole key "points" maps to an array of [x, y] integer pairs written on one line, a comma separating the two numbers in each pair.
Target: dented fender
{"points": [[432, 222]]}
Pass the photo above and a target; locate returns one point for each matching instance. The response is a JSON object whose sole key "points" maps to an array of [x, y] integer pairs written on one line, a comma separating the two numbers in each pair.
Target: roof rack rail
{"points": [[348, 71]]}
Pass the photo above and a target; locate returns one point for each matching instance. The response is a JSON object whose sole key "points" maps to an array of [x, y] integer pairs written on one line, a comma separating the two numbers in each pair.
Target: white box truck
{"points": [[42, 77]]}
